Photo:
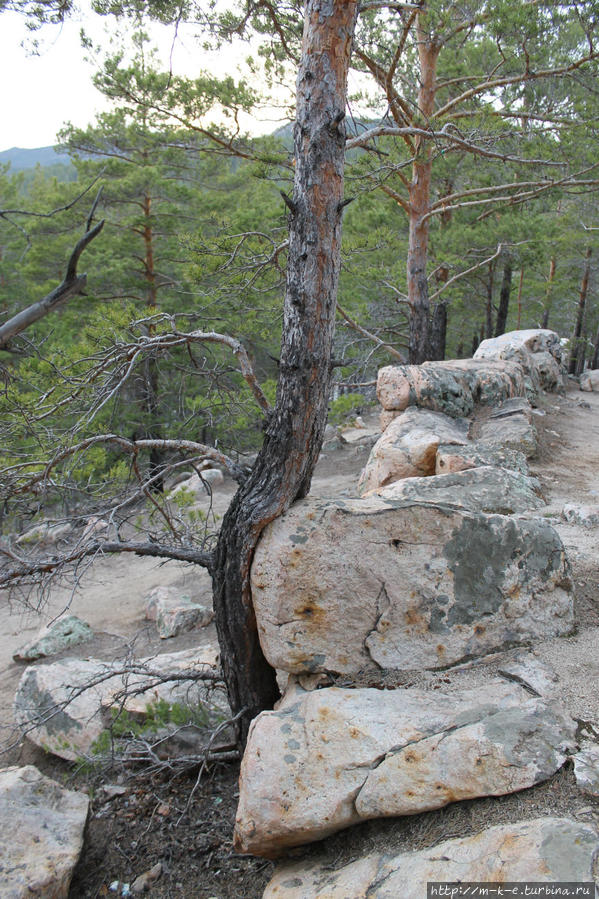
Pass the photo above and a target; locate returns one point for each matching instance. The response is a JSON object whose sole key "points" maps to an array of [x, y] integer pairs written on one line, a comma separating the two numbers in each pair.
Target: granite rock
{"points": [[351, 584], [329, 758], [545, 850], [408, 448], [42, 826]]}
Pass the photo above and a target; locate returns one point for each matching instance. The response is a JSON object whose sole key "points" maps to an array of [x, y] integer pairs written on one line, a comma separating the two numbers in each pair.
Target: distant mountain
{"points": [[20, 158]]}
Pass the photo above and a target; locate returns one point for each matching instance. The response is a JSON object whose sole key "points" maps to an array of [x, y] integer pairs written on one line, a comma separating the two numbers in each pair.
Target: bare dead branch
{"points": [[71, 285], [361, 330]]}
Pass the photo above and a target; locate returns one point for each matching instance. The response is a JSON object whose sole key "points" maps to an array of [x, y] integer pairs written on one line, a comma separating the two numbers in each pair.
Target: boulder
{"points": [[408, 448], [510, 427], [59, 706], [484, 489], [543, 850], [589, 380], [61, 634], [476, 454], [175, 612], [551, 373], [330, 758], [42, 827], [452, 387], [537, 350], [351, 584]]}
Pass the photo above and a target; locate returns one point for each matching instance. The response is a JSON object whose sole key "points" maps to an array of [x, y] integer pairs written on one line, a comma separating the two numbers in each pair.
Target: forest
{"points": [[463, 164]]}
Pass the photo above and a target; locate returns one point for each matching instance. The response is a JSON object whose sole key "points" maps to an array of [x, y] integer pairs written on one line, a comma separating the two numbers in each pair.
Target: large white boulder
{"points": [[543, 850], [42, 827], [330, 758], [350, 584]]}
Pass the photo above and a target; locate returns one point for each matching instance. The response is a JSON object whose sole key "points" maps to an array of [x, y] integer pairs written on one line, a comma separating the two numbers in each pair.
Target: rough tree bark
{"points": [[419, 203], [577, 342], [294, 431], [438, 331], [504, 296]]}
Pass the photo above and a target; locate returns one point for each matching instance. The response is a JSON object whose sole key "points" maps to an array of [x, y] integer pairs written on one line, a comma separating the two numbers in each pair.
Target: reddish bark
{"points": [[283, 470]]}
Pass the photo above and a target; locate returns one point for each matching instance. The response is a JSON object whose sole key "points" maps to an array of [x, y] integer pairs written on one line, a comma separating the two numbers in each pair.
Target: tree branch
{"points": [[71, 285]]}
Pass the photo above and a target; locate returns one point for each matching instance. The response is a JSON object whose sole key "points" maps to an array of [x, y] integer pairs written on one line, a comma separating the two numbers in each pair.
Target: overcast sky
{"points": [[40, 93]]}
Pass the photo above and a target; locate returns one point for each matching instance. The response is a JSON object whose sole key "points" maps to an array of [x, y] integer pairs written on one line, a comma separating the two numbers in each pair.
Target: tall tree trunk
{"points": [[504, 296], [548, 294], [489, 306], [439, 331], [420, 190], [150, 370], [582, 302], [283, 470], [595, 359], [519, 319]]}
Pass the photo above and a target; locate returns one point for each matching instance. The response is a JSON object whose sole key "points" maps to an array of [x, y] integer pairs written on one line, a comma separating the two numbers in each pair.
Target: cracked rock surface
{"points": [[544, 850], [348, 585], [332, 757]]}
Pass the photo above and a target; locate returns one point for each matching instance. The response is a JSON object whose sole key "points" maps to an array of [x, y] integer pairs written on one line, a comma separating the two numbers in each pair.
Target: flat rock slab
{"points": [[66, 631], [453, 387], [364, 584], [477, 455], [42, 827], [485, 489], [327, 759], [408, 448], [59, 706], [513, 431], [545, 850]]}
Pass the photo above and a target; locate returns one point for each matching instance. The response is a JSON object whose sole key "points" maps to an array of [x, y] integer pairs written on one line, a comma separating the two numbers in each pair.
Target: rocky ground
{"points": [[137, 821]]}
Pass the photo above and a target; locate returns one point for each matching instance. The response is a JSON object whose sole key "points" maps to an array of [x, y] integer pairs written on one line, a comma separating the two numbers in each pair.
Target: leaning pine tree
{"points": [[294, 431]]}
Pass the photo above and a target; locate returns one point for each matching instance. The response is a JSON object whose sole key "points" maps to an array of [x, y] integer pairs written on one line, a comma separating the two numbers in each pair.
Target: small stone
{"points": [[64, 632], [143, 883]]}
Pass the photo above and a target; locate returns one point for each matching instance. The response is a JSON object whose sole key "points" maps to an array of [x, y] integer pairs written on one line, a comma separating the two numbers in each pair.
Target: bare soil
{"points": [[154, 820]]}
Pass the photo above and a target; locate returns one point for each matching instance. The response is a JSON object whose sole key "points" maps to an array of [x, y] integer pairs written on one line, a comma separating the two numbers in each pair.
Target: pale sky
{"points": [[40, 93]]}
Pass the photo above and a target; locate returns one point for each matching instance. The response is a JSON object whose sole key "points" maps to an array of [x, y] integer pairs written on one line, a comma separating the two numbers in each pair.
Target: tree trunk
{"points": [[504, 296], [439, 331], [548, 294], [489, 308], [595, 359], [294, 432], [519, 319], [420, 190], [582, 301]]}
